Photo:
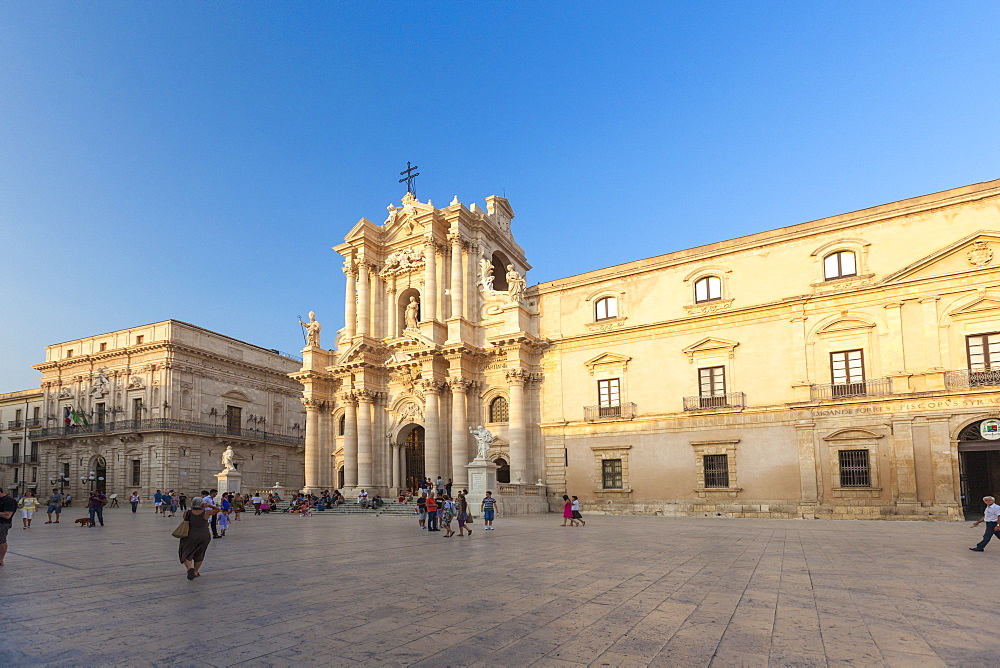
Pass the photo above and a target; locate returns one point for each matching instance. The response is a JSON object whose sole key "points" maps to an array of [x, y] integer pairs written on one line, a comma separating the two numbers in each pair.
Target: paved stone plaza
{"points": [[285, 590]]}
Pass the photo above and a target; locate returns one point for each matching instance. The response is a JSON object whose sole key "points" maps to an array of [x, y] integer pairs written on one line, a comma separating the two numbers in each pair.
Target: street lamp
{"points": [[93, 480], [59, 479]]}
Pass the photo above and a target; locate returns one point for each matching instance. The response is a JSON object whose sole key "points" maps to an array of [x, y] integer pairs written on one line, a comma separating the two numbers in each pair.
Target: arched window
{"points": [[707, 289], [342, 425], [839, 265], [499, 410], [605, 308]]}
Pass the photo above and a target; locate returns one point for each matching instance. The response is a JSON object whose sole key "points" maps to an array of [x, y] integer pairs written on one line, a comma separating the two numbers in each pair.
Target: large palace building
{"points": [[847, 367]]}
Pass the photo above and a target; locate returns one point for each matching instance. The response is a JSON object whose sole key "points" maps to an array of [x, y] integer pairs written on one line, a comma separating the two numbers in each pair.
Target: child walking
{"points": [[576, 512]]}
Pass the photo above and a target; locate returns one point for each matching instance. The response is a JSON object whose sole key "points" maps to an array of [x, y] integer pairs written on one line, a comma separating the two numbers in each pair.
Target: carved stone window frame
{"points": [[725, 301], [864, 275], [854, 438], [606, 324], [602, 452], [724, 446]]}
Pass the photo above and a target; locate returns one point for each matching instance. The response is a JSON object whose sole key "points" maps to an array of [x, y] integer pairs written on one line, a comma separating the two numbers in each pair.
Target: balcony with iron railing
{"points": [[874, 387], [34, 423], [15, 424], [17, 459], [718, 402], [967, 379], [625, 411], [168, 424]]}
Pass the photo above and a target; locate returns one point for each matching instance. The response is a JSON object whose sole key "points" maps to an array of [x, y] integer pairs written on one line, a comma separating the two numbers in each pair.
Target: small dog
{"points": [[83, 521]]}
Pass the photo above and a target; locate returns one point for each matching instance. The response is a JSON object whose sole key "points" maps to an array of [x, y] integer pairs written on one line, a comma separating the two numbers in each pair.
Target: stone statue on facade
{"points": [[100, 384], [486, 274], [515, 285], [312, 329], [484, 438], [412, 313], [227, 459]]}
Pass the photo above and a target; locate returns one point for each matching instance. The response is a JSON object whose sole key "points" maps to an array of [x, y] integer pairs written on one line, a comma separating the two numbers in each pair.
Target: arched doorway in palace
{"points": [[979, 464], [503, 470], [413, 455]]}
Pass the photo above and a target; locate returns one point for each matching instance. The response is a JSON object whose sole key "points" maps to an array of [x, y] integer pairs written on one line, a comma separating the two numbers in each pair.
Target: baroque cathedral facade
{"points": [[847, 367]]}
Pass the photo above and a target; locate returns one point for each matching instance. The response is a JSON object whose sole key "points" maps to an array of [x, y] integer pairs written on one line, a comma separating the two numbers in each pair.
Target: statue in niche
{"points": [[412, 313], [227, 459], [484, 438], [100, 384], [515, 285], [312, 329]]}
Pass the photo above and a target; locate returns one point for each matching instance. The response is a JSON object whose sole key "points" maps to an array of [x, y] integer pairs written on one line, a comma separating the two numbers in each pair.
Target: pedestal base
{"points": [[229, 481], [482, 478]]}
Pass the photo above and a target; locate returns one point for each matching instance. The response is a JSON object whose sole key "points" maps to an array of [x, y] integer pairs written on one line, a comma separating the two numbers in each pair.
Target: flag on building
{"points": [[66, 416], [79, 417]]}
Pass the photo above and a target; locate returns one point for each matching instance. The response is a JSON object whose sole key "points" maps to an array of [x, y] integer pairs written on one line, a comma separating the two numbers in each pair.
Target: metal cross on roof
{"points": [[409, 176]]}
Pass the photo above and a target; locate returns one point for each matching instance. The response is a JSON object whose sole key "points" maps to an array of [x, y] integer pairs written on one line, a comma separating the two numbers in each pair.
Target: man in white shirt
{"points": [[209, 501], [990, 516]]}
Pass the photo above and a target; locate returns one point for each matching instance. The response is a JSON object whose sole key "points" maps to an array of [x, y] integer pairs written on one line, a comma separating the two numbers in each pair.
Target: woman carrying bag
{"points": [[195, 543]]}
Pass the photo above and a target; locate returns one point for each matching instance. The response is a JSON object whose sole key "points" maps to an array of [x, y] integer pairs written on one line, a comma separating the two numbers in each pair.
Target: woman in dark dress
{"points": [[192, 548]]}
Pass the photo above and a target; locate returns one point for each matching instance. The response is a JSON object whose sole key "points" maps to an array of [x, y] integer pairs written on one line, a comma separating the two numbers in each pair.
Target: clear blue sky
{"points": [[197, 160]]}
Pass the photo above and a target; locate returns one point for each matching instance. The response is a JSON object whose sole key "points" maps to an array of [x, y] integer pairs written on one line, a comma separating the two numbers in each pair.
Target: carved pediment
{"points": [[363, 229], [977, 251], [846, 325], [978, 307], [853, 434], [711, 345], [607, 361]]}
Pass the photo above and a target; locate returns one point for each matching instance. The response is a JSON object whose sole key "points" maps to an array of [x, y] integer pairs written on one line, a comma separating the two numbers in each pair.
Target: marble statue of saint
{"points": [[484, 438], [312, 329], [100, 384], [412, 311], [515, 285], [227, 459]]}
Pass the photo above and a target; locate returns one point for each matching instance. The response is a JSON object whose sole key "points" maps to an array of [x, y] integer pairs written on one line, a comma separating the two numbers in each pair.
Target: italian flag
{"points": [[79, 417], [66, 416]]}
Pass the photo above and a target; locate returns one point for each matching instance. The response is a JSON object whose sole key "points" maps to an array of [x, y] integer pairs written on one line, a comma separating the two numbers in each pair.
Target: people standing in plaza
{"points": [[462, 508], [208, 503], [577, 515], [193, 546], [990, 516], [227, 508], [134, 500], [158, 503], [447, 512], [256, 500], [440, 486], [8, 506], [182, 500], [55, 506], [431, 514], [568, 512], [238, 504], [489, 508], [95, 505], [422, 511], [28, 506], [448, 486], [173, 500]]}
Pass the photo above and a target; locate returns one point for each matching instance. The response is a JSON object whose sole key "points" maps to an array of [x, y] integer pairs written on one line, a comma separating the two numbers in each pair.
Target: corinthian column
{"points": [[350, 440], [432, 429], [395, 467], [518, 446], [456, 277], [312, 444], [459, 432], [350, 300], [364, 300], [364, 438], [392, 310], [430, 282]]}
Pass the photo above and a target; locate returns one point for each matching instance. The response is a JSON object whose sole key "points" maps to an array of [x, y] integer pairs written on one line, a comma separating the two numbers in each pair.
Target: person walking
{"points": [[990, 516], [182, 499], [576, 512], [209, 502], [256, 500], [447, 512], [95, 504], [422, 511], [431, 514], [192, 548], [489, 508], [158, 503], [55, 506], [463, 515], [8, 506], [28, 506], [134, 500], [568, 512], [238, 505], [227, 507], [173, 500]]}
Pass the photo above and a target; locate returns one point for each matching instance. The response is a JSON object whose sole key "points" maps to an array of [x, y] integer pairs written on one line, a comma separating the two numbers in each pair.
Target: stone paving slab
{"points": [[623, 591]]}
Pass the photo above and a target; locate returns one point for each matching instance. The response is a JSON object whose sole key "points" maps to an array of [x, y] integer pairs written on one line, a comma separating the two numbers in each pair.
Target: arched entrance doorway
{"points": [[503, 470], [413, 447], [979, 464]]}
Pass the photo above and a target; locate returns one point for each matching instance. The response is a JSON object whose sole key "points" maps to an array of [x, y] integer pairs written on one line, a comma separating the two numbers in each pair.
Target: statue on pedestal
{"points": [[515, 285], [412, 313], [484, 438], [227, 458], [312, 329]]}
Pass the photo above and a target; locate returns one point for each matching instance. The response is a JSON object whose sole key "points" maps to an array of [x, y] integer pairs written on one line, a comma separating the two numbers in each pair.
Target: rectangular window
{"points": [[34, 474], [136, 473], [66, 471], [854, 469], [34, 452], [16, 471], [139, 339], [69, 353], [233, 419], [716, 470], [103, 347], [712, 387], [36, 414], [847, 371], [611, 474], [609, 398], [984, 359], [17, 415], [137, 409], [17, 452], [102, 412]]}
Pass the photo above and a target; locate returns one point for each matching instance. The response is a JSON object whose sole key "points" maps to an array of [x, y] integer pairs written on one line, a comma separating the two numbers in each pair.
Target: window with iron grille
{"points": [[136, 472], [716, 470], [854, 469], [712, 387], [840, 265], [342, 425], [611, 474], [847, 372], [609, 397], [499, 410], [984, 358], [606, 308], [707, 289]]}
